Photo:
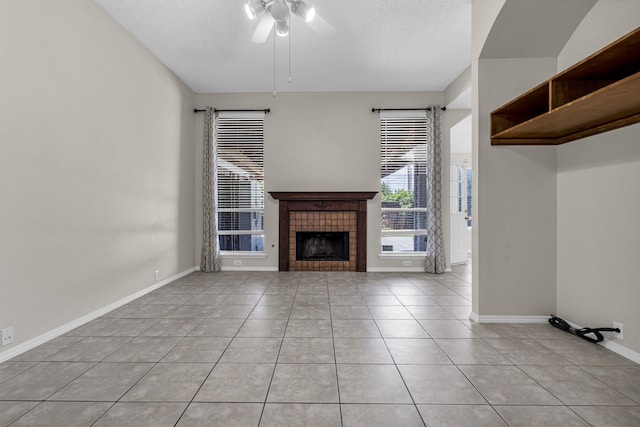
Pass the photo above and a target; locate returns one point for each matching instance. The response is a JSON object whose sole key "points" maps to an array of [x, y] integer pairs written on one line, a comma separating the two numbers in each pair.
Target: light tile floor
{"points": [[315, 349]]}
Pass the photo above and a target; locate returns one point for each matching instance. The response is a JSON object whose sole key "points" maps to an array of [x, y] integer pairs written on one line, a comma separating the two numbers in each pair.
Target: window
{"points": [[240, 183], [403, 173]]}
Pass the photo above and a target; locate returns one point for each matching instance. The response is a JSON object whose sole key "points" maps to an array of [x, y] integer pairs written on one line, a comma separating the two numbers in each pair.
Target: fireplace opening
{"points": [[322, 246]]}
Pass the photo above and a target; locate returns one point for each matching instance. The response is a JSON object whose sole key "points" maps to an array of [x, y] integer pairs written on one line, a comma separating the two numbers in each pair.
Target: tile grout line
{"points": [[482, 338], [159, 361], [94, 365], [335, 358], [156, 363], [394, 360], [266, 396], [221, 354]]}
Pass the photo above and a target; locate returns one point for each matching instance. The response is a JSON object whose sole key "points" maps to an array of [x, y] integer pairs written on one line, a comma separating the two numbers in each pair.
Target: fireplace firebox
{"points": [[318, 246]]}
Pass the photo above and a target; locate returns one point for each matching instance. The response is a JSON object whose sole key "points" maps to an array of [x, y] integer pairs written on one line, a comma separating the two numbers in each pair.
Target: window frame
{"points": [[386, 117], [223, 140]]}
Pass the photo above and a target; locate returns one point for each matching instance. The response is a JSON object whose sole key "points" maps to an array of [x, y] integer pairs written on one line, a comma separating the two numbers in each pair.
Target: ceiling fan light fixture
{"points": [[303, 10], [254, 8], [279, 10], [282, 28]]}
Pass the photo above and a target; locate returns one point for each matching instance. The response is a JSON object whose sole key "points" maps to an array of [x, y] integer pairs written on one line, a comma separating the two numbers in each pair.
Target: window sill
{"points": [[242, 254]]}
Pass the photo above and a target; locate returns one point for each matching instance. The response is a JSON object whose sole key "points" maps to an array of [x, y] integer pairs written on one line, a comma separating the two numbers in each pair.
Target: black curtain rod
{"points": [[215, 110], [377, 110]]}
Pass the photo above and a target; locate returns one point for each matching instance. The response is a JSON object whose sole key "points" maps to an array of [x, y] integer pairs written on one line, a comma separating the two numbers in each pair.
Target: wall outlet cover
{"points": [[620, 326], [237, 262], [7, 335], [407, 263]]}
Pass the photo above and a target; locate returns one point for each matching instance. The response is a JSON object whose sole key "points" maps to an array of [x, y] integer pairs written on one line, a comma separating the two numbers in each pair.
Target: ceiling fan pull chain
{"points": [[274, 64], [290, 32]]}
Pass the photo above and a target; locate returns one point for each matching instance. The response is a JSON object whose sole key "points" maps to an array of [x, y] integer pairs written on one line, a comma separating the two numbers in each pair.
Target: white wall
{"points": [[96, 165], [321, 142], [599, 201]]}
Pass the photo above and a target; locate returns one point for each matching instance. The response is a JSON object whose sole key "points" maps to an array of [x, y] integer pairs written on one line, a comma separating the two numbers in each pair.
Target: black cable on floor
{"points": [[589, 334]]}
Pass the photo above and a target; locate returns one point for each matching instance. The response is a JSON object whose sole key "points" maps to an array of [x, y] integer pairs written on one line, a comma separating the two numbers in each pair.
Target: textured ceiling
{"points": [[378, 45]]}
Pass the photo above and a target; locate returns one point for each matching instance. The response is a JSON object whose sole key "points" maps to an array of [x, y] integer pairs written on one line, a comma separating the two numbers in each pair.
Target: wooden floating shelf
{"points": [[598, 94]]}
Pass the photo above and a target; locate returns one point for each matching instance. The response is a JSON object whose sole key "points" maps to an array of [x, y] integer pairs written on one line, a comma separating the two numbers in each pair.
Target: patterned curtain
{"points": [[434, 262], [210, 258]]}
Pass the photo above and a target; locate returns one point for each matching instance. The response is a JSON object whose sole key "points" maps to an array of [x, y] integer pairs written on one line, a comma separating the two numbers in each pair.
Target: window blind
{"points": [[403, 173], [240, 180]]}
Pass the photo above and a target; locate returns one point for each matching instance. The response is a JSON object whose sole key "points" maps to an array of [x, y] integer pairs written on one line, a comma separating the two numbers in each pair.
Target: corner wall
{"points": [[599, 201], [516, 202], [96, 166], [594, 254], [514, 193]]}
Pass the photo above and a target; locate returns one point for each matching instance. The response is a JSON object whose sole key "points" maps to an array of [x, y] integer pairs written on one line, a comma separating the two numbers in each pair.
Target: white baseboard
{"points": [[395, 269], [507, 319], [240, 268], [234, 268], [623, 351], [54, 333], [612, 345]]}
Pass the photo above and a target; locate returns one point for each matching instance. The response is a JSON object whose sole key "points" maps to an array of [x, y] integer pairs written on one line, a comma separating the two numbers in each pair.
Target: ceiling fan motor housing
{"points": [[280, 10]]}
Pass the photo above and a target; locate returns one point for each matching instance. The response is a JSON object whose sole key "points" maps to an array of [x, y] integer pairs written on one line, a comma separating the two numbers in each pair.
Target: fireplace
{"points": [[322, 231], [322, 246]]}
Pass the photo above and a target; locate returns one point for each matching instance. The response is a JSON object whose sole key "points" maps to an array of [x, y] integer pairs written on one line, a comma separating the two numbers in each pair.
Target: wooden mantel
{"points": [[344, 201], [323, 195]]}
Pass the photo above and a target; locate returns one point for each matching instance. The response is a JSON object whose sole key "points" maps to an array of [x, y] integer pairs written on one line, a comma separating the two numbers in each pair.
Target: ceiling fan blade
{"points": [[322, 27], [263, 29]]}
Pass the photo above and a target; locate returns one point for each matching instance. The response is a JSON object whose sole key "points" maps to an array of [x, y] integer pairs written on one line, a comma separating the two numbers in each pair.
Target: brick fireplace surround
{"points": [[323, 212]]}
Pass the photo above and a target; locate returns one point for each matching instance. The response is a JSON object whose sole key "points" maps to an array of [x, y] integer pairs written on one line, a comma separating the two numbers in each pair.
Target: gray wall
{"points": [[96, 165], [599, 201], [322, 142]]}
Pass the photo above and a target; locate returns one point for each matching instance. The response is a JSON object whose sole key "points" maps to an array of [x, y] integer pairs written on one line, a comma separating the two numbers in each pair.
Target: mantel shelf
{"points": [[599, 94], [322, 195]]}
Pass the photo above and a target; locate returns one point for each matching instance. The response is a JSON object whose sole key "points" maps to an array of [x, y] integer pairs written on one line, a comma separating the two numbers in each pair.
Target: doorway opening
{"points": [[460, 195]]}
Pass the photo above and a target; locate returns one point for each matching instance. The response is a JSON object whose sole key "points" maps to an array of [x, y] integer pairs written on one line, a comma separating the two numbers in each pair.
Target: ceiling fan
{"points": [[277, 12]]}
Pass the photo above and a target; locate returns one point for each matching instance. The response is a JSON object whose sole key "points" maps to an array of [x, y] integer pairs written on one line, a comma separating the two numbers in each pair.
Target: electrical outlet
{"points": [[620, 326], [407, 263], [7, 335], [157, 275], [237, 262]]}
